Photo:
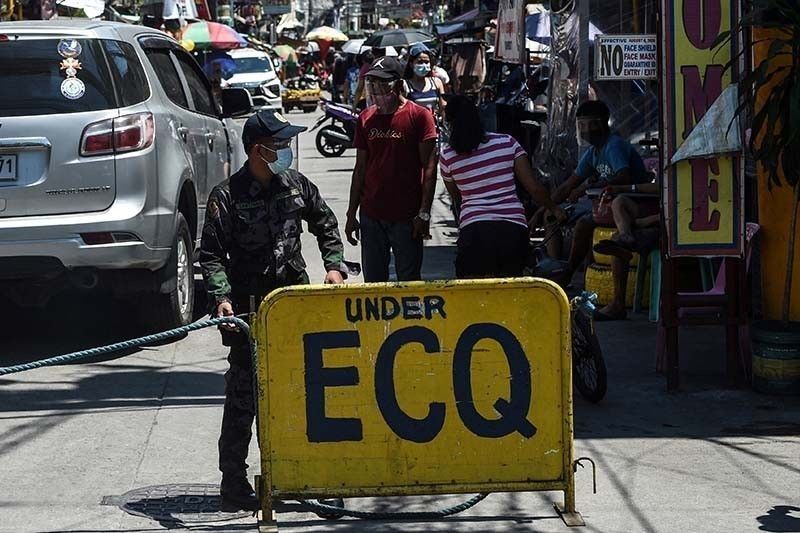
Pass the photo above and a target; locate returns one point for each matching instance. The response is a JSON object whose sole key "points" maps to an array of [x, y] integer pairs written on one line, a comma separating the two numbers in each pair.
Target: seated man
{"points": [[634, 234], [609, 160]]}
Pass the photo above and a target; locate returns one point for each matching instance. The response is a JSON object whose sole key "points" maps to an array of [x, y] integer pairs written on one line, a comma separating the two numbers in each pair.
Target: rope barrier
{"points": [[337, 512], [322, 509]]}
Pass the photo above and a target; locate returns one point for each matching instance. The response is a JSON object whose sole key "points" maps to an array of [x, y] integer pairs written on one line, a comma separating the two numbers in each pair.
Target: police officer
{"points": [[250, 246]]}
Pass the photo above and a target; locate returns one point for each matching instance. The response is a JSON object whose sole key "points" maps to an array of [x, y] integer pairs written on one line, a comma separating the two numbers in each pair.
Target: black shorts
{"points": [[491, 249]]}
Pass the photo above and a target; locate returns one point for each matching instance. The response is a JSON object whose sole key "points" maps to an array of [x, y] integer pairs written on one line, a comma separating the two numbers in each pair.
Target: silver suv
{"points": [[110, 141]]}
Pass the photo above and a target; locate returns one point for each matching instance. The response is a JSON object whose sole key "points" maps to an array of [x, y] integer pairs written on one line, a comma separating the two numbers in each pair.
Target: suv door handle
{"points": [[210, 138], [183, 131]]}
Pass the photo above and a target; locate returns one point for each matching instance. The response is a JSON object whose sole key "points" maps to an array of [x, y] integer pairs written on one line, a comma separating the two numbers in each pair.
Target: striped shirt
{"points": [[485, 179]]}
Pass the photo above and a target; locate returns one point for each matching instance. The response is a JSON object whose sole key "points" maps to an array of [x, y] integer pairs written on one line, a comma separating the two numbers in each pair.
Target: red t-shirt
{"points": [[393, 186]]}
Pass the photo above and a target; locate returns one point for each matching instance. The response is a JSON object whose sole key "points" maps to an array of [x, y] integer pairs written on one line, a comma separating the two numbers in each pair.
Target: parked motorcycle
{"points": [[589, 374], [336, 137]]}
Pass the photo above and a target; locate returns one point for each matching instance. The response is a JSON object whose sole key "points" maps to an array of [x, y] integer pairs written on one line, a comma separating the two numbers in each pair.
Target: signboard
{"points": [[510, 40], [276, 7], [419, 388], [625, 57], [703, 198]]}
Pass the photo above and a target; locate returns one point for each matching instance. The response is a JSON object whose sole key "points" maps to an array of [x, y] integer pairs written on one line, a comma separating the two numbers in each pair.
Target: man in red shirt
{"points": [[394, 178]]}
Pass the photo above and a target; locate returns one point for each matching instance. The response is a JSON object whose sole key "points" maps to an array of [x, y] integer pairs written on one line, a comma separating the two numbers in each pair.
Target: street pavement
{"points": [[73, 436]]}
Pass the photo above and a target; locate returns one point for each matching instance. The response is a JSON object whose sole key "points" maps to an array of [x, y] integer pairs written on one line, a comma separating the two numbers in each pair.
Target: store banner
{"points": [[703, 198], [510, 40], [625, 57]]}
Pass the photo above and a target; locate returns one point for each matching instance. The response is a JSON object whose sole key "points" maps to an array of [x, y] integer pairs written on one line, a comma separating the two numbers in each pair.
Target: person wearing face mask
{"points": [[422, 87], [251, 246], [394, 178], [609, 160]]}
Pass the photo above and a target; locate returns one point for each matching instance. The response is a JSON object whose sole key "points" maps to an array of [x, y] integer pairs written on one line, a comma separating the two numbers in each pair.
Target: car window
{"points": [[247, 65], [33, 78], [198, 84], [167, 75], [127, 72]]}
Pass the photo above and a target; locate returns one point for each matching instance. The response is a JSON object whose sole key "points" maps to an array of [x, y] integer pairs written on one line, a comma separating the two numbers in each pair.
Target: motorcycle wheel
{"points": [[589, 373], [325, 147]]}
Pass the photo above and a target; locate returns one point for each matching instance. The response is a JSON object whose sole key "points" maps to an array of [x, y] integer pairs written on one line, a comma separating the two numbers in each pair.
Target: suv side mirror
{"points": [[236, 102]]}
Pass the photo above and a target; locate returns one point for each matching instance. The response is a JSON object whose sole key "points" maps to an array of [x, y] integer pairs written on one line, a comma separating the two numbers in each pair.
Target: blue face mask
{"points": [[422, 69], [283, 162]]}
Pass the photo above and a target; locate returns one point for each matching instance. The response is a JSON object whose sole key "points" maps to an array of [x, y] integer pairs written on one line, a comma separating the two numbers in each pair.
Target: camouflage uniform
{"points": [[250, 246]]}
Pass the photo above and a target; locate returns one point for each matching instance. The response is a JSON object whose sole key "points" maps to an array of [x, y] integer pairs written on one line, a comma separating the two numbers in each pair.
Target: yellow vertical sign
{"points": [[703, 199]]}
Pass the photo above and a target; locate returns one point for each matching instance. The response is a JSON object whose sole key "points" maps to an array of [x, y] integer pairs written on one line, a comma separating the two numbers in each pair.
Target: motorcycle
{"points": [[589, 373], [333, 139]]}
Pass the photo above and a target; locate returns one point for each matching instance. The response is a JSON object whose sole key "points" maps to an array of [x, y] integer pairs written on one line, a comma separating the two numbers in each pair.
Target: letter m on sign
{"points": [[699, 93]]}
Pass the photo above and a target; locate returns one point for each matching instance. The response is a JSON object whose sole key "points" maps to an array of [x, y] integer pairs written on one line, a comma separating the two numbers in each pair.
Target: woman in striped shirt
{"points": [[480, 171]]}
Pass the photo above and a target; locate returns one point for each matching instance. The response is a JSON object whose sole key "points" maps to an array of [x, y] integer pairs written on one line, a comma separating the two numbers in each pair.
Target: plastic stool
{"points": [[653, 259]]}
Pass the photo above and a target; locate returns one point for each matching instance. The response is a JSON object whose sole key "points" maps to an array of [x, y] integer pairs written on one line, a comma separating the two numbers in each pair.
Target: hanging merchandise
{"points": [[180, 9], [558, 151], [510, 43]]}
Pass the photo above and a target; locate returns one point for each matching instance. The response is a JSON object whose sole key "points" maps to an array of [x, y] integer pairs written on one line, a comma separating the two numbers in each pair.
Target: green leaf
{"points": [[723, 37]]}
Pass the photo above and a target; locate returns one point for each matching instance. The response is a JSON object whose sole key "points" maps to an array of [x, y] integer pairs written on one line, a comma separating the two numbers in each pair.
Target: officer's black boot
{"points": [[237, 494]]}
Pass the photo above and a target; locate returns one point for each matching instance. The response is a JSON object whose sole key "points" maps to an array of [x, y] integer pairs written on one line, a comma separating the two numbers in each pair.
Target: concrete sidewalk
{"points": [[702, 460]]}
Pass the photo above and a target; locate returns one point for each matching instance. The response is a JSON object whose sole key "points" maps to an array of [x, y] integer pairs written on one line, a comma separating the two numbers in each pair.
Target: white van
{"points": [[255, 72]]}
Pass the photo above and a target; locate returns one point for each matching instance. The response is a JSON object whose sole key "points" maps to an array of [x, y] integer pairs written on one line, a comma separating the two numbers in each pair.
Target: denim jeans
{"points": [[379, 239]]}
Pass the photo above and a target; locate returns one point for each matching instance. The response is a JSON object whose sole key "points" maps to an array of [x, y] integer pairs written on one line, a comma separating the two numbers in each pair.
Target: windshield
{"points": [[33, 74], [249, 65]]}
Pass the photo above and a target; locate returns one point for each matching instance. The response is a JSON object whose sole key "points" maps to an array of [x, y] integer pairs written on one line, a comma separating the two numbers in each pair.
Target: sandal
{"points": [[612, 247]]}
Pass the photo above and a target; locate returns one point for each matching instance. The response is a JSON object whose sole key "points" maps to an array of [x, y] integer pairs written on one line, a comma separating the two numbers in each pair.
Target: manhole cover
{"points": [[181, 502]]}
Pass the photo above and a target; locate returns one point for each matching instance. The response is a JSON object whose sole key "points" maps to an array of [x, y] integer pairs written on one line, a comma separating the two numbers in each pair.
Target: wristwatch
{"points": [[424, 216]]}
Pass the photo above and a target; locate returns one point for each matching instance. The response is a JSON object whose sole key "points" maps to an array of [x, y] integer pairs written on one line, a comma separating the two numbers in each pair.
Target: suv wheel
{"points": [[160, 311]]}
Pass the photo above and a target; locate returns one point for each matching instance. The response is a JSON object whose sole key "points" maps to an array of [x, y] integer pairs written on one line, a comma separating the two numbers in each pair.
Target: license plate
{"points": [[8, 167]]}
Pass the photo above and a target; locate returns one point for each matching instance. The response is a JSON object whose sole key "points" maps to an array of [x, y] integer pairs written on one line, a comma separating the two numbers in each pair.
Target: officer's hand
{"points": [[334, 277], [226, 309], [422, 228], [352, 229]]}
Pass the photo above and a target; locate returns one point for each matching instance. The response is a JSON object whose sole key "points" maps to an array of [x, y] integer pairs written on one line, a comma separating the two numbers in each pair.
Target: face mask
{"points": [[384, 101], [283, 162], [593, 137], [422, 69]]}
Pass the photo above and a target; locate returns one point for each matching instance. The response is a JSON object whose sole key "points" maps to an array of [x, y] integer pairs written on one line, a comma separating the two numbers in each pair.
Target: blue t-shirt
{"points": [[616, 155]]}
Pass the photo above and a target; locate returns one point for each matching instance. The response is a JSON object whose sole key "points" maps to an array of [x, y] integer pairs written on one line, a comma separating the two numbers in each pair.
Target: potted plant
{"points": [[770, 97]]}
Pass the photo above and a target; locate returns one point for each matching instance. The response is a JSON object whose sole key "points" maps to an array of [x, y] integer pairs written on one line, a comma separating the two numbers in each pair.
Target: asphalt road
{"points": [[75, 436]]}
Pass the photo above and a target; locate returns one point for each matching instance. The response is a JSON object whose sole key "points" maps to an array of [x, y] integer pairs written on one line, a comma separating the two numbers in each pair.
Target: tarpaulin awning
{"points": [[469, 21]]}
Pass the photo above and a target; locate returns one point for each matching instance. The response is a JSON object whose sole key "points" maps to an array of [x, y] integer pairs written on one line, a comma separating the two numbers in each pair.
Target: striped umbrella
{"points": [[213, 36]]}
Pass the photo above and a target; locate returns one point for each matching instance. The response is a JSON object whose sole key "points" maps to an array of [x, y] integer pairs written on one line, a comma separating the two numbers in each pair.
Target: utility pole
{"points": [[308, 15]]}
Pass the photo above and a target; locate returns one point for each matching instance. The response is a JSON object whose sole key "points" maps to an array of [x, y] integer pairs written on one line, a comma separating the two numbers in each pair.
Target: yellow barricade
{"points": [[417, 388]]}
